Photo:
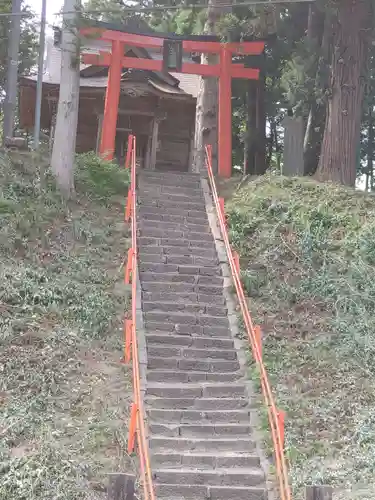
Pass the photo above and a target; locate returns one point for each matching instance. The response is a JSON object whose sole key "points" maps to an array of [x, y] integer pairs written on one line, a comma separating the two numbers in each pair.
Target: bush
{"points": [[100, 179]]}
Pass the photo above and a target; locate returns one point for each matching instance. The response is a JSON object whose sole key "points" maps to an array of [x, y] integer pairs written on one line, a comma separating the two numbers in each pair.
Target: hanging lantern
{"points": [[172, 55]]}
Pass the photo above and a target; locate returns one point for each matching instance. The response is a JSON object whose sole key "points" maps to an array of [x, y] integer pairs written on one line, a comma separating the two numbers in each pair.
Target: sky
{"points": [[53, 6]]}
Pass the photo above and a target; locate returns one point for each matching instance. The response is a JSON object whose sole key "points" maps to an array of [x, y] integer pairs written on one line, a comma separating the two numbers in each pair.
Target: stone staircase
{"points": [[198, 408]]}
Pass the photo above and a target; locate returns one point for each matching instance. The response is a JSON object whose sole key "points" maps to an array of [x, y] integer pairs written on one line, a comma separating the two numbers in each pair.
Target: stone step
{"points": [[170, 179], [191, 353], [185, 364], [196, 416], [176, 277], [184, 308], [174, 226], [187, 341], [204, 390], [189, 330], [166, 279], [185, 183], [203, 460], [219, 477], [145, 241], [179, 195], [156, 268], [169, 184], [153, 189], [173, 212], [173, 444], [178, 219], [168, 166], [167, 191], [200, 430], [158, 287], [194, 492], [147, 174], [160, 267], [186, 319], [157, 250], [193, 263], [197, 404], [184, 234], [170, 205], [187, 298], [166, 188], [191, 376], [184, 264]]}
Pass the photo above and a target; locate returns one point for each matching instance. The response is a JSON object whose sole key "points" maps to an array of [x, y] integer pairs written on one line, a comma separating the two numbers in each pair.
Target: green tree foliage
{"points": [[181, 21], [28, 44], [117, 11]]}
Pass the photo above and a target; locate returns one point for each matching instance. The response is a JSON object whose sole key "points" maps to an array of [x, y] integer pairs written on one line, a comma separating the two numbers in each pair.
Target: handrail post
{"points": [[129, 151], [121, 486], [319, 492], [128, 339]]}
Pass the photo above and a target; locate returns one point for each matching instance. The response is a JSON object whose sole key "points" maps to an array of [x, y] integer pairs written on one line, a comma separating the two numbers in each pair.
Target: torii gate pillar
{"points": [[112, 99]]}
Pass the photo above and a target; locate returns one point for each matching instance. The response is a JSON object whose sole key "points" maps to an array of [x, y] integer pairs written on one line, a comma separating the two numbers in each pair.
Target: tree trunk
{"points": [[260, 155], [251, 126], [270, 144], [206, 123], [318, 34], [256, 127], [351, 27], [370, 149], [275, 144], [67, 113], [299, 14], [315, 25]]}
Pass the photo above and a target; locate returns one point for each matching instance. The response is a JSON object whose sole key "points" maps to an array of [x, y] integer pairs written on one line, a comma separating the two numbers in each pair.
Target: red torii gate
{"points": [[225, 71]]}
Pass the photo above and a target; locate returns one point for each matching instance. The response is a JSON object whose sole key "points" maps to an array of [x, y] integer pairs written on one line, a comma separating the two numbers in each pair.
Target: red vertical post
{"points": [[128, 209], [128, 339], [236, 259], [222, 209], [129, 152], [112, 99], [225, 114]]}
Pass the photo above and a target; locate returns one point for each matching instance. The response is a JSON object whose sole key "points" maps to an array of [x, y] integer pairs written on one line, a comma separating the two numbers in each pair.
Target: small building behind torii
{"points": [[159, 108]]}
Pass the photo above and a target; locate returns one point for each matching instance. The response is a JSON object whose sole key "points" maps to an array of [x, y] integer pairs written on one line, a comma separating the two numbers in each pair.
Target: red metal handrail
{"points": [[137, 431], [275, 417]]}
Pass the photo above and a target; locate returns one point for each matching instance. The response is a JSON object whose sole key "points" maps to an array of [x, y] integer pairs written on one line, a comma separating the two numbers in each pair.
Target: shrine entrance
{"points": [[175, 46]]}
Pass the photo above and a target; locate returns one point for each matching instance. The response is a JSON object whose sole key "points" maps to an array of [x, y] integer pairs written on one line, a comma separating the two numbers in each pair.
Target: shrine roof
{"points": [[172, 83]]}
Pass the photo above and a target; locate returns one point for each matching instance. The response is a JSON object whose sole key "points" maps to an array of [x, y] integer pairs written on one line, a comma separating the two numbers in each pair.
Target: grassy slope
{"points": [[308, 255], [64, 396]]}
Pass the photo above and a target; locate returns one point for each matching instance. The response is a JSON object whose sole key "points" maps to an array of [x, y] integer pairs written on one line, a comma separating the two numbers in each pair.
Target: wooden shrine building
{"points": [[135, 81], [158, 108]]}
